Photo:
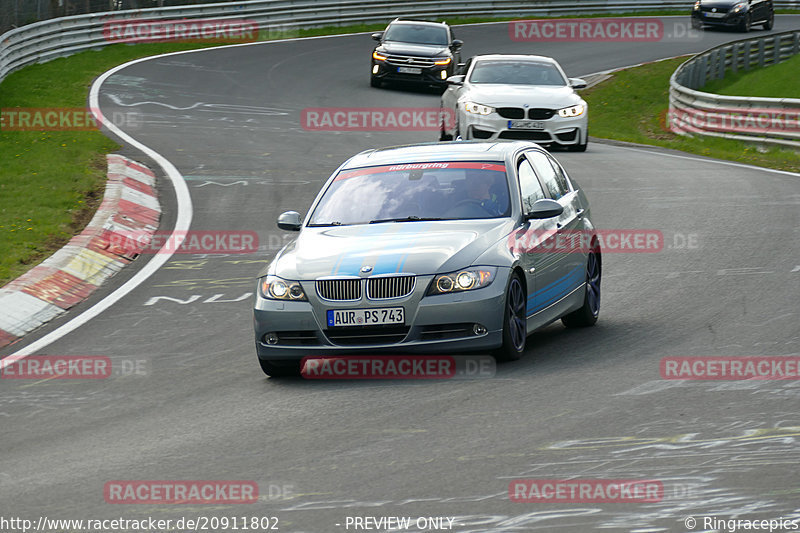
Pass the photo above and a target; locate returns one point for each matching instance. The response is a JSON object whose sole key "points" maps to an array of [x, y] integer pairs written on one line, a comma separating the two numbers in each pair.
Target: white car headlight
{"points": [[572, 111], [275, 288], [477, 109], [697, 5], [464, 280], [738, 7]]}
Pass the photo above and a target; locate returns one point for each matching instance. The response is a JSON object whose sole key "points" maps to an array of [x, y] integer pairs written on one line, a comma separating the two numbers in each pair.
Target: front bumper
{"points": [[433, 324], [729, 20], [563, 131], [387, 71]]}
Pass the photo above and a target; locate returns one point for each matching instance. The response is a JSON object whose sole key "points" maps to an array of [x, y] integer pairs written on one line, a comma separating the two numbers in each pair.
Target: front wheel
{"points": [[770, 21], [590, 310], [745, 25], [515, 326], [374, 82], [580, 147], [280, 369]]}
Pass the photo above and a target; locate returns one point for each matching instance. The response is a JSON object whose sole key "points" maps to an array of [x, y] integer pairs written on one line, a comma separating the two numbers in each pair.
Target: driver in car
{"points": [[479, 189]]}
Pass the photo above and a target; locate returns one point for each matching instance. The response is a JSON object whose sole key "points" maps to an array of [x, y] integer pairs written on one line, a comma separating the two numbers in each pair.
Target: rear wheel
{"points": [[588, 313], [515, 326], [280, 369]]}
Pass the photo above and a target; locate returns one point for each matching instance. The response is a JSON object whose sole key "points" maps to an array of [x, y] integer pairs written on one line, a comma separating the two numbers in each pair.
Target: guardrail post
{"points": [[746, 59], [776, 50], [761, 46]]}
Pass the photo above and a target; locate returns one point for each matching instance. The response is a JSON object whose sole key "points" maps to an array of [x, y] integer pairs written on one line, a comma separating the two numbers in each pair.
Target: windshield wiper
{"points": [[412, 218], [327, 224]]}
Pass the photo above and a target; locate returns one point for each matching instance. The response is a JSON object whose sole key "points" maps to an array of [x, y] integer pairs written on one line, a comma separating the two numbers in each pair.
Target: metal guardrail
{"points": [[42, 41], [764, 120]]}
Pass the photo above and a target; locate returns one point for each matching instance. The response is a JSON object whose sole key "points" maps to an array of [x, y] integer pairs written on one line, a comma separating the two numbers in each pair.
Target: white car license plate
{"points": [[409, 70], [715, 15], [366, 317], [525, 125]]}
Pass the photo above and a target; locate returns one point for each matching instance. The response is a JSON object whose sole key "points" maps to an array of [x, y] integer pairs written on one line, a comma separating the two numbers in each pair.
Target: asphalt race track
{"points": [[586, 404]]}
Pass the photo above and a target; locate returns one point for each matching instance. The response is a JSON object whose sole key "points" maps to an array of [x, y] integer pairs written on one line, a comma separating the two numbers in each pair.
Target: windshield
{"points": [[517, 73], [407, 33], [417, 191]]}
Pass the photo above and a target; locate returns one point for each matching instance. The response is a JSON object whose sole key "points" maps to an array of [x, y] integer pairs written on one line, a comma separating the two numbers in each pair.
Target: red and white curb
{"points": [[130, 206]]}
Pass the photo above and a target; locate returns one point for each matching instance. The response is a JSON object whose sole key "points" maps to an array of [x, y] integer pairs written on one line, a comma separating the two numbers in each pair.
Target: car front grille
{"points": [[339, 290], [363, 335], [378, 288], [539, 113], [511, 112], [409, 61], [525, 135], [715, 9], [384, 288]]}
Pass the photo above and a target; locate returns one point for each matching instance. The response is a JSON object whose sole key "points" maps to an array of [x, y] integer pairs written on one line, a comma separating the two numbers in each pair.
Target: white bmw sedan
{"points": [[521, 97]]}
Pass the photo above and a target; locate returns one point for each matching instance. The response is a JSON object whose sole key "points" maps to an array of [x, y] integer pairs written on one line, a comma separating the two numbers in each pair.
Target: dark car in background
{"points": [[739, 14], [415, 51]]}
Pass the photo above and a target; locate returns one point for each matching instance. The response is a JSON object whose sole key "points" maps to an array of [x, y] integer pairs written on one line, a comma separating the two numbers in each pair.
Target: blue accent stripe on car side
{"points": [[555, 291]]}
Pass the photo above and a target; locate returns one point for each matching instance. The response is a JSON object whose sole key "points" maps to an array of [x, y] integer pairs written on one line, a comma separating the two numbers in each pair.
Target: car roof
{"points": [[518, 57], [417, 22], [432, 152]]}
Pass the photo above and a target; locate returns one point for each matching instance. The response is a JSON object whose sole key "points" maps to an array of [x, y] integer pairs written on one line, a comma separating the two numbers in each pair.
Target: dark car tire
{"points": [[587, 315], [770, 21], [443, 135], [578, 147], [746, 22], [697, 25], [280, 369], [375, 82], [514, 321]]}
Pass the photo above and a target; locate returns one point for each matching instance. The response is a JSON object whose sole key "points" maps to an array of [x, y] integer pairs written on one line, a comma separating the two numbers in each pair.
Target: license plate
{"points": [[409, 70], [366, 317], [525, 125], [715, 15]]}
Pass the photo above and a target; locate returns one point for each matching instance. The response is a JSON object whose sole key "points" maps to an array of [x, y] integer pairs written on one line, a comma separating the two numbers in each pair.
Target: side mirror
{"points": [[577, 83], [377, 36], [460, 68], [290, 221], [456, 44], [544, 208], [455, 80]]}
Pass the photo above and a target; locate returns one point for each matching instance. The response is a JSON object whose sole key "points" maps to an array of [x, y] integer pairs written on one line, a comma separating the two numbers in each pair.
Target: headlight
{"points": [[477, 109], [275, 288], [463, 280], [740, 6], [697, 5], [379, 57], [573, 111], [442, 61]]}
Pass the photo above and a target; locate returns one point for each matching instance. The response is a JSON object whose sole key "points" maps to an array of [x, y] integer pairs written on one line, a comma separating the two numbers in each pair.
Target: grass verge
{"points": [[632, 106], [774, 81]]}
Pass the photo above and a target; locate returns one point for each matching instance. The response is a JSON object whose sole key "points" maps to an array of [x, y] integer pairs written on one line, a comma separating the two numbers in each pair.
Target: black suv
{"points": [[415, 51], [739, 14]]}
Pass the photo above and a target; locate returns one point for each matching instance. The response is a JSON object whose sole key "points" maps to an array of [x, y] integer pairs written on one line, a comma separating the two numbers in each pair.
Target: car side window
{"points": [[561, 176], [555, 187], [529, 186]]}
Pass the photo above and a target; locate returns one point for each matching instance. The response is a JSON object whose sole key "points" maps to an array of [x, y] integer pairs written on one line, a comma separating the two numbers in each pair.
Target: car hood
{"points": [[720, 3], [411, 247], [499, 95], [409, 49]]}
